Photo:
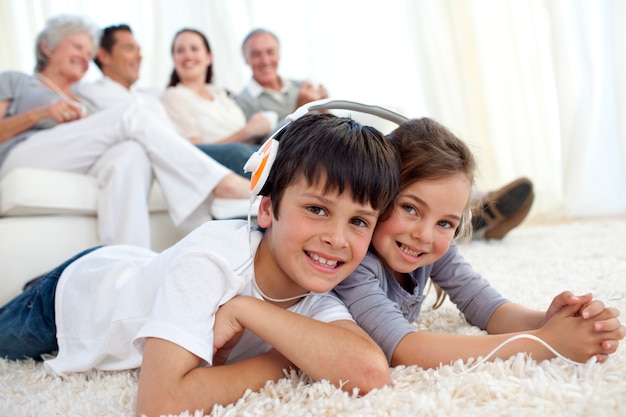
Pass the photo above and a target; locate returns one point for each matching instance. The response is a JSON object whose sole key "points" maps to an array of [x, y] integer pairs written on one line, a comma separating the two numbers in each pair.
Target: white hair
{"points": [[57, 28]]}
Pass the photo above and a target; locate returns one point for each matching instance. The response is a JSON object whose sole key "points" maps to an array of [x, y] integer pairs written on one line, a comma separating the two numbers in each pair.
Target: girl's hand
{"points": [[606, 324], [578, 337], [564, 299], [572, 336], [589, 309]]}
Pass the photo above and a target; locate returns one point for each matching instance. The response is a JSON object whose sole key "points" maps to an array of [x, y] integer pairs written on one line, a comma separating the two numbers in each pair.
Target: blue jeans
{"points": [[232, 155], [27, 323]]}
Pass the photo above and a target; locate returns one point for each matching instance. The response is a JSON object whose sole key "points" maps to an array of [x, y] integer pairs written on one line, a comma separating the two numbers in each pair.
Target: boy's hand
{"points": [[226, 332]]}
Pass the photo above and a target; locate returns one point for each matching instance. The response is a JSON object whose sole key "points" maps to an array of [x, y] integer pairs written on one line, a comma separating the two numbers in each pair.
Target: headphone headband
{"points": [[260, 163], [328, 104]]}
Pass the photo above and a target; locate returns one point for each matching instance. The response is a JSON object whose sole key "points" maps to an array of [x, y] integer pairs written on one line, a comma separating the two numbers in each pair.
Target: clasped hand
{"points": [[580, 327]]}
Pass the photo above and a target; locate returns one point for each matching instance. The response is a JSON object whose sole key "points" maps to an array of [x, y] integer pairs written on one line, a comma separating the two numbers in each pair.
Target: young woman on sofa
{"points": [[202, 111]]}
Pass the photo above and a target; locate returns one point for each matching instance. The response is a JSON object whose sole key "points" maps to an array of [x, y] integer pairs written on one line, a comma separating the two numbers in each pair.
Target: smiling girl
{"points": [[414, 241]]}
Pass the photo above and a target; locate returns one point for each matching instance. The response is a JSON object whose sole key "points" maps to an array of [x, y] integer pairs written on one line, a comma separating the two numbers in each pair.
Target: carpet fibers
{"points": [[531, 265]]}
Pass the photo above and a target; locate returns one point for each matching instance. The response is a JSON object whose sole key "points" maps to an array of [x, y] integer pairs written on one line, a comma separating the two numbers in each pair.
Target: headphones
{"points": [[260, 162]]}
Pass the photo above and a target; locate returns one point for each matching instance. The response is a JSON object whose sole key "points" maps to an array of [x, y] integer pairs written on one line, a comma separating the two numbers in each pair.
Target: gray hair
{"points": [[255, 32], [57, 28]]}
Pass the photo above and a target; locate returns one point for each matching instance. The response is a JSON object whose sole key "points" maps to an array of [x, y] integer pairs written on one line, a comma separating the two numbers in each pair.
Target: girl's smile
{"points": [[422, 224]]}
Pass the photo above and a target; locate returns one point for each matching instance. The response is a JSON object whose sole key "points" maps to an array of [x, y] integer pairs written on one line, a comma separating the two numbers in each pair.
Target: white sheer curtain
{"points": [[589, 48], [537, 87]]}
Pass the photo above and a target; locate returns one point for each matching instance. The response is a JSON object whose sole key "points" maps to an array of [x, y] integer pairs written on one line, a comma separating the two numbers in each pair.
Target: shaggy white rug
{"points": [[531, 265]]}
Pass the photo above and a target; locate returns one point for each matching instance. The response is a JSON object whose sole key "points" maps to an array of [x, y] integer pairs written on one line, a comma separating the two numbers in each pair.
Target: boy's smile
{"points": [[421, 227], [317, 240]]}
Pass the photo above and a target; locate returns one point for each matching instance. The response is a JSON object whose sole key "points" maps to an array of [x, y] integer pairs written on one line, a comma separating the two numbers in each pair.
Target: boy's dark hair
{"points": [[349, 156], [107, 40]]}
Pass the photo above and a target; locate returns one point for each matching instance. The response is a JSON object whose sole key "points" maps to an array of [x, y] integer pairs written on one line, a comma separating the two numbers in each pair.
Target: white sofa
{"points": [[48, 216]]}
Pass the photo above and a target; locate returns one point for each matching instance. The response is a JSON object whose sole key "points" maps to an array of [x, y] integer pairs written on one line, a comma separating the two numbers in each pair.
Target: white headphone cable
{"points": [[517, 337]]}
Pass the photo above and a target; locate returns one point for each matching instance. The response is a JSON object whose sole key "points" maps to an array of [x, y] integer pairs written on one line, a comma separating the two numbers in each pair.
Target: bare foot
{"points": [[233, 186]]}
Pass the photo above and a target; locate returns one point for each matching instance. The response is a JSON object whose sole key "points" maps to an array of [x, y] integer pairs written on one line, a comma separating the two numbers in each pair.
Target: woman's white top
{"points": [[196, 116]]}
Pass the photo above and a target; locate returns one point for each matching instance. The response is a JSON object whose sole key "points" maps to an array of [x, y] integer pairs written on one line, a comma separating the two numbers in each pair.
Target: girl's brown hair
{"points": [[430, 151]]}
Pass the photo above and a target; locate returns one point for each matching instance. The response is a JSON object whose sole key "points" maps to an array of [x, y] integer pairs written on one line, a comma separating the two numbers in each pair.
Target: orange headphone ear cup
{"points": [[260, 164]]}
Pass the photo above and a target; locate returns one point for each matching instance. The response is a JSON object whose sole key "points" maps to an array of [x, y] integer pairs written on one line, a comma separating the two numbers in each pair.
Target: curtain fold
{"points": [[537, 87], [588, 45]]}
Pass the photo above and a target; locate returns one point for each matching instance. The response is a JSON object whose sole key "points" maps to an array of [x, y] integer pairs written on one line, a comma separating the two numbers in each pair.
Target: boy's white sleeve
{"points": [[196, 284]]}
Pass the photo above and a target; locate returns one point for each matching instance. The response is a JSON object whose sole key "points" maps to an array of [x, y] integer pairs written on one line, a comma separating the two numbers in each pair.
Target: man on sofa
{"points": [[267, 90], [119, 59]]}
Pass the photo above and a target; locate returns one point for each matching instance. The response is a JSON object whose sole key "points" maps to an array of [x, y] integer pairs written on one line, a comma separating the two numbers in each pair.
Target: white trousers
{"points": [[124, 147]]}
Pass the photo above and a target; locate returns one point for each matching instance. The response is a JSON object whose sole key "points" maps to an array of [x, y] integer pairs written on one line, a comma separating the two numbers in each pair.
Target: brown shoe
{"points": [[501, 210]]}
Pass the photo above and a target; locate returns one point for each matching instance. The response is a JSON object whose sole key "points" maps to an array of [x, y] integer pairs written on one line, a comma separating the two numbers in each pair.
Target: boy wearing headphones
{"points": [[252, 300]]}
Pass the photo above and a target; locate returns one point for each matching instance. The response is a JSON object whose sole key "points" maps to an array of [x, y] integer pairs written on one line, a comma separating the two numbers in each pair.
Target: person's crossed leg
{"points": [[499, 211]]}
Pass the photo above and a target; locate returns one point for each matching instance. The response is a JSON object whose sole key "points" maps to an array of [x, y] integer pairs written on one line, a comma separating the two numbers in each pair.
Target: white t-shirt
{"points": [[195, 116], [110, 300], [106, 93]]}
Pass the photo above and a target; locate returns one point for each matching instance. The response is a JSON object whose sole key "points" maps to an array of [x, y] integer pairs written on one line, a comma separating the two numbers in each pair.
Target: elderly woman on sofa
{"points": [[44, 125]]}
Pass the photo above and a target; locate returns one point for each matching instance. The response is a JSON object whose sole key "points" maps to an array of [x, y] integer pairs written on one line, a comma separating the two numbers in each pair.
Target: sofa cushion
{"points": [[34, 191]]}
